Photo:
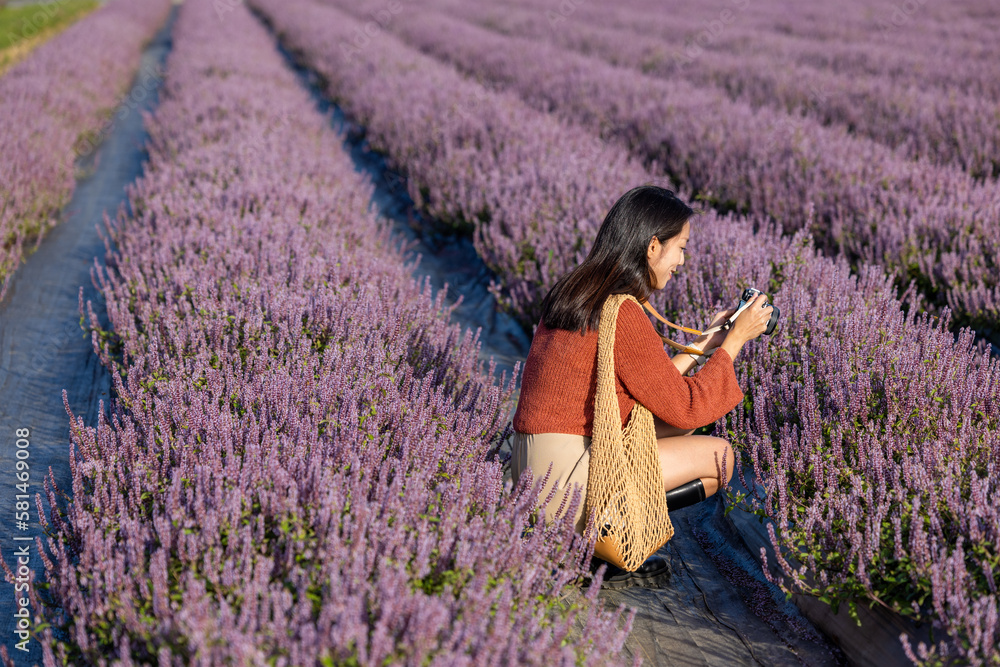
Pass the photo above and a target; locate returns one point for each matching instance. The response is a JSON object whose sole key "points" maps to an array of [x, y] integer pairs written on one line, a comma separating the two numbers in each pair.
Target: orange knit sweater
{"points": [[559, 381]]}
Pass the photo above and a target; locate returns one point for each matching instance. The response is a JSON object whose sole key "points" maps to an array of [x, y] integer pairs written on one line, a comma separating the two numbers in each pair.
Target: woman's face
{"points": [[664, 258]]}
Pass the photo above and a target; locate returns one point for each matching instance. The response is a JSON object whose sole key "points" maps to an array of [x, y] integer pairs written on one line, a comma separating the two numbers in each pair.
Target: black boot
{"points": [[653, 572], [684, 495]]}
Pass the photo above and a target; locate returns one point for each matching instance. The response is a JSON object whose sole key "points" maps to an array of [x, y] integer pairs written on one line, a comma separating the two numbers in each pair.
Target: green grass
{"points": [[23, 28]]}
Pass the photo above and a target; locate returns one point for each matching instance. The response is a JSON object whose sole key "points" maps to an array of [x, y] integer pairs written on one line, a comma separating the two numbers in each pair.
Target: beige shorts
{"points": [[569, 456]]}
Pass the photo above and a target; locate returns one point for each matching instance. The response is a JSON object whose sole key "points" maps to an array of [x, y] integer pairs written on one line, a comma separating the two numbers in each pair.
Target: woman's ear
{"points": [[653, 250]]}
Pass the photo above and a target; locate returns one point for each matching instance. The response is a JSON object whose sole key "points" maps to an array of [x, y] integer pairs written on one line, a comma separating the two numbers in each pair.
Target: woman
{"points": [[639, 245]]}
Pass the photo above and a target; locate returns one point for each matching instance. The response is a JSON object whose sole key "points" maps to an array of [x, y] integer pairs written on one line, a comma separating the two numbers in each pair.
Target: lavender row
{"points": [[918, 44], [874, 435], [473, 158], [933, 224], [53, 105], [295, 469], [914, 38], [728, 255], [944, 126]]}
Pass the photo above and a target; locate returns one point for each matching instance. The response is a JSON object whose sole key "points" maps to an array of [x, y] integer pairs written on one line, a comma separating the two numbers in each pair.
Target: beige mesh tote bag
{"points": [[625, 493]]}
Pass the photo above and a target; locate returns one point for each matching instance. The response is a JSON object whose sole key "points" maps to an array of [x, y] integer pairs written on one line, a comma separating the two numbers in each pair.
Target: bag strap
{"points": [[607, 413]]}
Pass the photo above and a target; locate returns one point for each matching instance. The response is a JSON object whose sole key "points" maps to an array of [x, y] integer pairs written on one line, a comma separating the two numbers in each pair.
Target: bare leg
{"points": [[687, 457]]}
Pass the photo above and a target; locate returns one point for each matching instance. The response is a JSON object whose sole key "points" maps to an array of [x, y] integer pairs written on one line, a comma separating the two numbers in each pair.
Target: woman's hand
{"points": [[751, 323], [714, 340], [684, 362]]}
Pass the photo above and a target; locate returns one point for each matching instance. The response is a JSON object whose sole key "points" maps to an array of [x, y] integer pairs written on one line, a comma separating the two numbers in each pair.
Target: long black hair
{"points": [[617, 262]]}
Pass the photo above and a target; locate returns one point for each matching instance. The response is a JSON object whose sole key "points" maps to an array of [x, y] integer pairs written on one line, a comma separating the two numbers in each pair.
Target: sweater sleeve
{"points": [[650, 377]]}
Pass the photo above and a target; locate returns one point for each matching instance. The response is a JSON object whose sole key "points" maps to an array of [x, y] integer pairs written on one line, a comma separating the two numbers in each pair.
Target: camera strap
{"points": [[680, 347], [700, 355]]}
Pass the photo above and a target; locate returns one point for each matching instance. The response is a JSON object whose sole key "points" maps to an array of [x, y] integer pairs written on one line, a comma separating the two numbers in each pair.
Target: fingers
{"points": [[763, 314], [766, 307], [753, 321], [765, 317]]}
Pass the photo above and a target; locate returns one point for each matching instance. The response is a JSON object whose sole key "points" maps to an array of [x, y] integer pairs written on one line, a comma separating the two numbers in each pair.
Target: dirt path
{"points": [[718, 609], [444, 258], [42, 348]]}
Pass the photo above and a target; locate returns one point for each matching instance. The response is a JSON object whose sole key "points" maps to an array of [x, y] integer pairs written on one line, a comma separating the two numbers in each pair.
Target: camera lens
{"points": [[773, 322]]}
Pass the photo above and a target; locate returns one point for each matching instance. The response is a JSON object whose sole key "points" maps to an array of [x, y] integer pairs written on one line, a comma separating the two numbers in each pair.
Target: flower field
{"points": [[24, 28], [934, 107], [299, 466], [931, 223], [300, 437], [49, 103], [874, 430]]}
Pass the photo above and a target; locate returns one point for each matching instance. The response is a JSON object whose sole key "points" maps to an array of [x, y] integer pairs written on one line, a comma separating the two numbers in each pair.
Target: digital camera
{"points": [[749, 294]]}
